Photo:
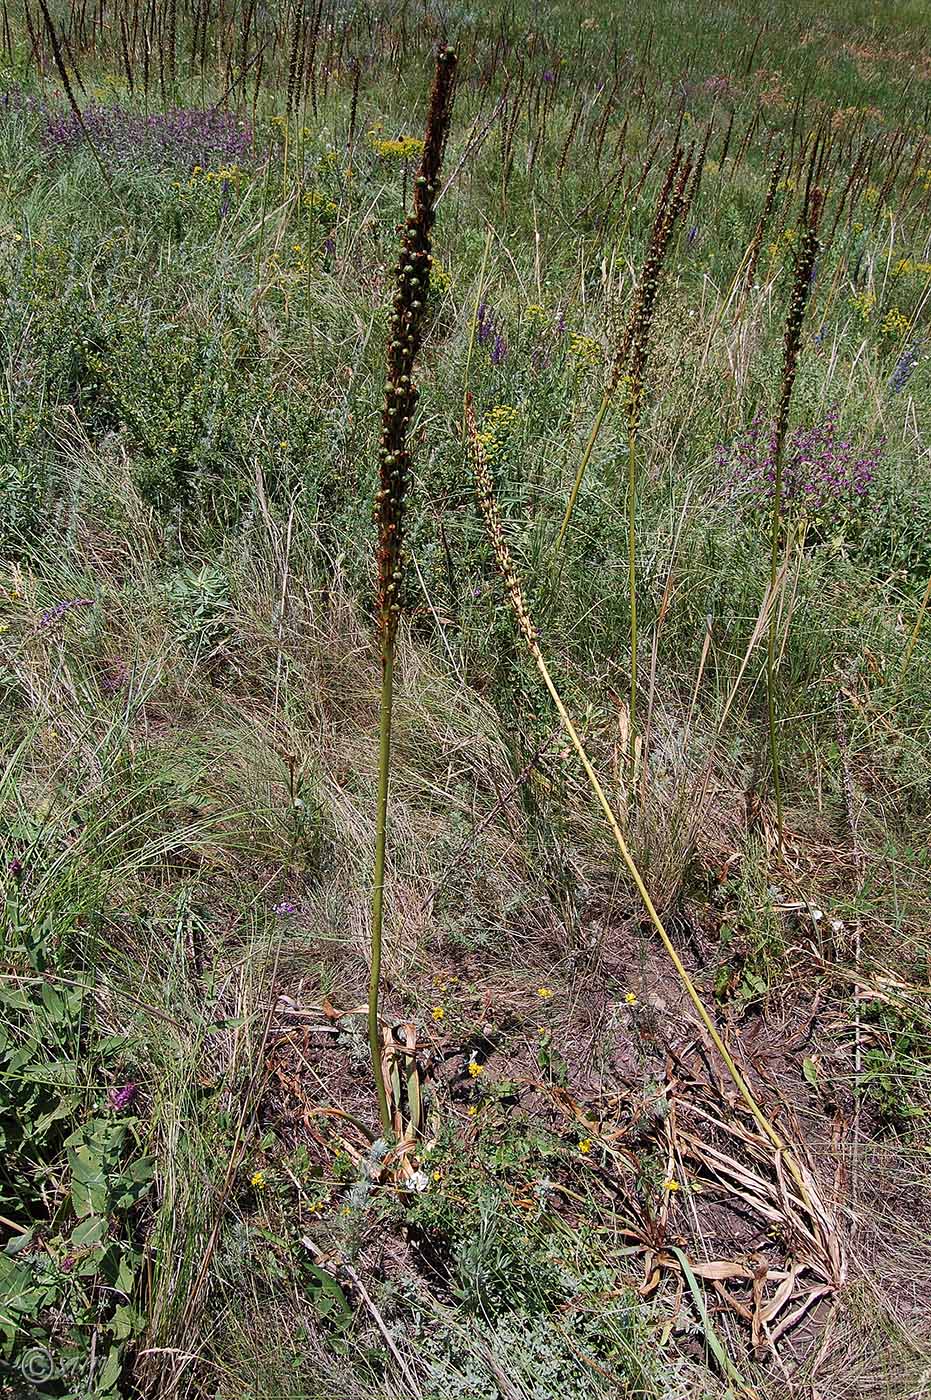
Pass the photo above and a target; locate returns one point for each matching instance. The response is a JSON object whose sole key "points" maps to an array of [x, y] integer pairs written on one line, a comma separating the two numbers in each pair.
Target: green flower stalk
{"points": [[637, 330], [632, 356], [804, 272], [675, 194], [412, 285]]}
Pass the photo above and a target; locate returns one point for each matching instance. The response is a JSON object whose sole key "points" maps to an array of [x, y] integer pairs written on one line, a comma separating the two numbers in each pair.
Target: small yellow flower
{"points": [[437, 1175], [544, 993], [671, 1184], [346, 1210], [404, 146], [585, 1145], [631, 999], [475, 1069], [438, 1013], [471, 1110], [257, 1179], [585, 349], [283, 444], [894, 323]]}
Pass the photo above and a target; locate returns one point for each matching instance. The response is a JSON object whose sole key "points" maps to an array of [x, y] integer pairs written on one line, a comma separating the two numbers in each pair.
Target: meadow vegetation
{"points": [[608, 438]]}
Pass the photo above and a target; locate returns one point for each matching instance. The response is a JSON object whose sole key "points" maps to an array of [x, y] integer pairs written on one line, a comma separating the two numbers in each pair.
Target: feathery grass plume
{"points": [[804, 270], [488, 506], [668, 208], [412, 282]]}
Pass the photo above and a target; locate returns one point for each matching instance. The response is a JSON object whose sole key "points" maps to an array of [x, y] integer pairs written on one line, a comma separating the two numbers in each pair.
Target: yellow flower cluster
{"points": [[907, 265], [535, 312], [864, 302], [894, 323], [230, 173], [872, 194], [440, 280], [402, 146], [586, 350], [498, 424], [319, 202]]}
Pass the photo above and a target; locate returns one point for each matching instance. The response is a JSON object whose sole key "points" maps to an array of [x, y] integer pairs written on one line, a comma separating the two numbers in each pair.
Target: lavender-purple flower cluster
{"points": [[56, 613], [181, 136], [823, 470], [904, 368], [490, 333]]}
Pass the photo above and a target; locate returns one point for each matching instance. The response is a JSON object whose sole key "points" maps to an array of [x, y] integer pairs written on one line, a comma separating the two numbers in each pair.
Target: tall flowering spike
{"points": [[634, 344], [412, 284], [669, 207], [804, 273], [756, 242]]}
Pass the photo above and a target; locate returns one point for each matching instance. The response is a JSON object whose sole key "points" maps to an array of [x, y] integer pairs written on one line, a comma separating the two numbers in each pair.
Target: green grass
{"points": [[193, 374]]}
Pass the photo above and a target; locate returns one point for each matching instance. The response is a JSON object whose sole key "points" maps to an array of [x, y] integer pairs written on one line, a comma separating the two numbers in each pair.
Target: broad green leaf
{"points": [[89, 1231]]}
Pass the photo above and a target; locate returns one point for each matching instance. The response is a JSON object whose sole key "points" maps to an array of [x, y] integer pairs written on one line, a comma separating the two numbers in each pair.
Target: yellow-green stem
{"points": [[378, 889], [632, 572], [760, 1118], [906, 659], [474, 326], [586, 458], [771, 642]]}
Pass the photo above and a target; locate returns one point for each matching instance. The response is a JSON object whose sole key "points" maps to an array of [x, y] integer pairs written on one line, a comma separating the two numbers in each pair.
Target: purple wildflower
{"points": [[284, 908], [15, 868], [122, 1098], [823, 471], [68, 1263], [691, 235], [549, 76], [490, 333], [181, 136], [904, 368], [58, 611]]}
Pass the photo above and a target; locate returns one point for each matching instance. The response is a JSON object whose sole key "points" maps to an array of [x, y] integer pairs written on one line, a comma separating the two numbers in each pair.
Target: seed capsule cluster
{"points": [[756, 243], [405, 333], [804, 270], [635, 344], [488, 504], [671, 204]]}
